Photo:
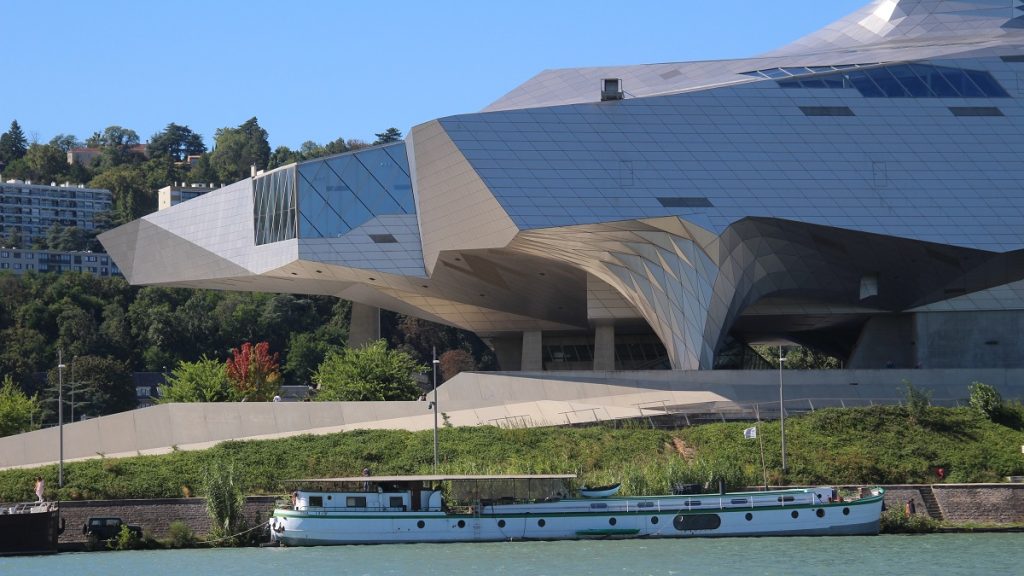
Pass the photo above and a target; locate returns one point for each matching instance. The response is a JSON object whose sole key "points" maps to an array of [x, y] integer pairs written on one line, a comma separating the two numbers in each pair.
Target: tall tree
{"points": [[65, 142], [176, 142], [388, 136], [132, 197], [371, 372], [237, 149], [254, 372], [118, 144], [18, 412], [13, 144], [104, 386]]}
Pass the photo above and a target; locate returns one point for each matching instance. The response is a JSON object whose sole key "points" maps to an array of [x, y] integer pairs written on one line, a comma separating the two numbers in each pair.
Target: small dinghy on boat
{"points": [[600, 491]]}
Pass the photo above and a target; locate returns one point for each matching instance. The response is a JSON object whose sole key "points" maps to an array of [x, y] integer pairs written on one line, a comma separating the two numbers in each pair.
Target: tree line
{"points": [[133, 173], [106, 329]]}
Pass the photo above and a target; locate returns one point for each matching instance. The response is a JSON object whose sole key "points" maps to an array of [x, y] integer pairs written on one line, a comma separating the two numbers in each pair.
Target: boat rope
{"points": [[257, 527]]}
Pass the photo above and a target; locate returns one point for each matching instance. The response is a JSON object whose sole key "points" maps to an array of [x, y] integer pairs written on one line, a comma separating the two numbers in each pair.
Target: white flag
{"points": [[750, 433]]}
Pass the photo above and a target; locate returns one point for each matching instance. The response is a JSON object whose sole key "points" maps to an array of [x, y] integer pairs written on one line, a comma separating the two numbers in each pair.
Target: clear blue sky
{"points": [[319, 70]]}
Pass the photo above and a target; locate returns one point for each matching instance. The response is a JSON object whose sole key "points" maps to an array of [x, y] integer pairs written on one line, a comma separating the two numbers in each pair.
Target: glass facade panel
{"points": [[340, 193], [274, 206], [907, 81]]}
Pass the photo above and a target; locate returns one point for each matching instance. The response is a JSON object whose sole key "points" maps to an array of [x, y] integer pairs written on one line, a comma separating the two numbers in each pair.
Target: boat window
{"points": [[316, 501], [691, 503], [598, 505], [396, 502], [645, 504], [740, 501], [697, 522], [785, 499], [355, 502]]}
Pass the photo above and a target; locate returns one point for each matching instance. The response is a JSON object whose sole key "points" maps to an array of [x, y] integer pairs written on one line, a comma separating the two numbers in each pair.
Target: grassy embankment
{"points": [[850, 446]]}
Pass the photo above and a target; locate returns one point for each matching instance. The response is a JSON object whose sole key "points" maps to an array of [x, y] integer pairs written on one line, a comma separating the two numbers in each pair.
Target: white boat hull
{"points": [[659, 517]]}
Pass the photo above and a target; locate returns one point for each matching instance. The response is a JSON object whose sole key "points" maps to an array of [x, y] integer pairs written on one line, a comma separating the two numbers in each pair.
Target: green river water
{"points": [[929, 555]]}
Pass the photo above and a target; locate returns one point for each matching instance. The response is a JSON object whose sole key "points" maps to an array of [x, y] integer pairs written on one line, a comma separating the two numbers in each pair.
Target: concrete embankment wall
{"points": [[961, 503], [981, 503]]}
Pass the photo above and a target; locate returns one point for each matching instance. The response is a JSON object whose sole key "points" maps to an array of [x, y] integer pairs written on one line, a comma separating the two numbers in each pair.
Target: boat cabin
{"points": [[425, 493]]}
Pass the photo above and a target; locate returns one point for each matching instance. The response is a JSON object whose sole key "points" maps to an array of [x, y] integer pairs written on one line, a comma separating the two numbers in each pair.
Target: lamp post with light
{"points": [[433, 404], [60, 415], [782, 412]]}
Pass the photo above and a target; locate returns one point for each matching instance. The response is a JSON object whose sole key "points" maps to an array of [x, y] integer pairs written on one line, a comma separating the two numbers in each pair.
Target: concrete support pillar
{"points": [[509, 350], [604, 347], [364, 326], [532, 352]]}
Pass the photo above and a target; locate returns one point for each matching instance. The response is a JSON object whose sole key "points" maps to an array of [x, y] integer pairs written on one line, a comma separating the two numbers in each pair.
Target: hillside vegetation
{"points": [[882, 445]]}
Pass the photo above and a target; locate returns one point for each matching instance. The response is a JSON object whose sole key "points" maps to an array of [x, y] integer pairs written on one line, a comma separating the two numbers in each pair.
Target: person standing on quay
{"points": [[40, 488]]}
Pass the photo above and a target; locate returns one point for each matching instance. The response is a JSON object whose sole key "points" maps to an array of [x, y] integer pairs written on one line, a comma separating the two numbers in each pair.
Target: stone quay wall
{"points": [[962, 503], [980, 503], [154, 516]]}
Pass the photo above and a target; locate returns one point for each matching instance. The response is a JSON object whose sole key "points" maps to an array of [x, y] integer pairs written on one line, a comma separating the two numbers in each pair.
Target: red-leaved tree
{"points": [[254, 372]]}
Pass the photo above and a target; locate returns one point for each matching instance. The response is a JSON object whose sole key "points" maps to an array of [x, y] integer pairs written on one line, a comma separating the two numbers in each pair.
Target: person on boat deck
{"points": [[366, 485], [40, 487]]}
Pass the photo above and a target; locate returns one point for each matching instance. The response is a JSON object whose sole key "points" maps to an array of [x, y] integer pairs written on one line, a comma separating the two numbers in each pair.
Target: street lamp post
{"points": [[60, 416], [782, 412], [434, 367]]}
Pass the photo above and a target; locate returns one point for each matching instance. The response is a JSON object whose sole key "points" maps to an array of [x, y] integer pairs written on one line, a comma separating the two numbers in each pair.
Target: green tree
{"points": [[237, 149], [12, 143], [202, 170], [118, 146], [371, 372], [176, 143], [305, 352], [388, 136], [127, 183], [105, 385], [205, 380], [18, 412], [64, 142], [254, 372]]}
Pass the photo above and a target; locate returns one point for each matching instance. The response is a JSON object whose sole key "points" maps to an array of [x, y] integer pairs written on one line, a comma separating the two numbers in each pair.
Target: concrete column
{"points": [[604, 347], [364, 326], [532, 352]]}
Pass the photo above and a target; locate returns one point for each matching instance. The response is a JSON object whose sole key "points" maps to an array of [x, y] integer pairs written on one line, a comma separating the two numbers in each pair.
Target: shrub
{"points": [[918, 400], [895, 521], [126, 539], [224, 503], [181, 535], [986, 399]]}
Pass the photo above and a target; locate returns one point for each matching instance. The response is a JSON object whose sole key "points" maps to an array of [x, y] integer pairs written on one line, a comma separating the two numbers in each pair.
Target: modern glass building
{"points": [[858, 191]]}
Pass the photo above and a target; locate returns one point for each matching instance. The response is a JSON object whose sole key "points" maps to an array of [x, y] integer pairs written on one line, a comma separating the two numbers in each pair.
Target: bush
{"points": [[181, 535], [986, 399], [895, 521], [918, 400], [126, 539]]}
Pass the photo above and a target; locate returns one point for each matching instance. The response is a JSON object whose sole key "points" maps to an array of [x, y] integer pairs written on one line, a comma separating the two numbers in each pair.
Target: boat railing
{"points": [[27, 507], [335, 509]]}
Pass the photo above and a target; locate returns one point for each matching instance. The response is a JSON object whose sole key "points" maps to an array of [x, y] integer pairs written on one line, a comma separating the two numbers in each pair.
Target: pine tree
{"points": [[13, 144]]}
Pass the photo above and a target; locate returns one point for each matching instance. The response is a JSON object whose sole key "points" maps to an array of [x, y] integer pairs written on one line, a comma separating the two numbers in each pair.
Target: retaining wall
{"points": [[981, 503], [154, 516]]}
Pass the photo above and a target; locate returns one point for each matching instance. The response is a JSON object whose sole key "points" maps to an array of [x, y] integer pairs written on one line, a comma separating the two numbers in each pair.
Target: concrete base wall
{"points": [[502, 399], [985, 338]]}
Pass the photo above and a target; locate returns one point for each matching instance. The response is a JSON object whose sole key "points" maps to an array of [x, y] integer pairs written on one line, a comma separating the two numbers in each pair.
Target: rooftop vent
{"points": [[611, 89]]}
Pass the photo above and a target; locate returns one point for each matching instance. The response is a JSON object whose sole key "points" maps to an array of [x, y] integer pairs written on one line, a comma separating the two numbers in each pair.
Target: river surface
{"points": [[931, 555]]}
